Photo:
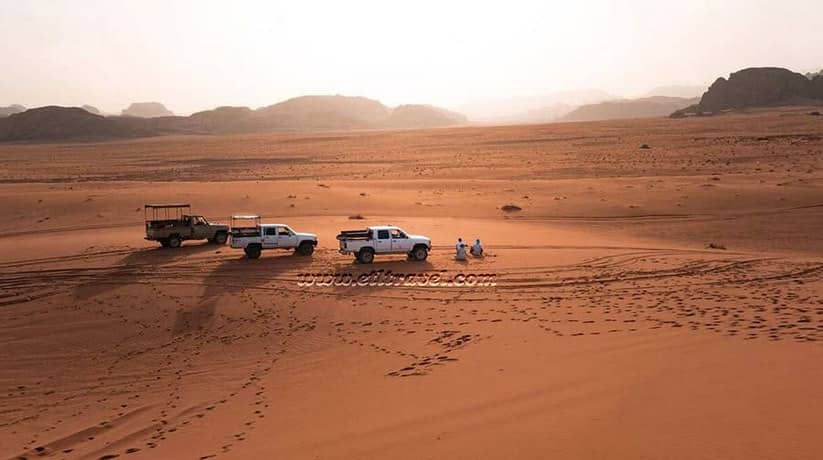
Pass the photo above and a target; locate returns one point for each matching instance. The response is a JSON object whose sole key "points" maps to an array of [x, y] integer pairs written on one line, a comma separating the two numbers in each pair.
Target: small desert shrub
{"points": [[645, 146], [357, 217], [510, 208], [715, 246]]}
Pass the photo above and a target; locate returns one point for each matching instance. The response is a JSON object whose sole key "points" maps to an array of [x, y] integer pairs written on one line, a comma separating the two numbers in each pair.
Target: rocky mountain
{"points": [[647, 107], [92, 109], [423, 116], [307, 113], [757, 87], [324, 113], [146, 110], [54, 123], [12, 109], [224, 120]]}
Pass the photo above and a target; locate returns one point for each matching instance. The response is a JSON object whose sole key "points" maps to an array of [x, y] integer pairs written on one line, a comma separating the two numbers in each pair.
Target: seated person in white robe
{"points": [[460, 249], [477, 248]]}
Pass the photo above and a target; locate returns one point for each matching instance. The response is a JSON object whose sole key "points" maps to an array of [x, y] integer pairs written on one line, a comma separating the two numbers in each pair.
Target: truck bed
{"points": [[155, 224], [245, 232], [354, 235]]}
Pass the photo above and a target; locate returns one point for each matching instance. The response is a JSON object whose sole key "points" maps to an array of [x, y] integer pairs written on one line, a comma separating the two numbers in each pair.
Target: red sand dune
{"points": [[613, 331]]}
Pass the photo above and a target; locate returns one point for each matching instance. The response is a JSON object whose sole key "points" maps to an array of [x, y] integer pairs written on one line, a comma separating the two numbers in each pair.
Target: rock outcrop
{"points": [[147, 110], [11, 110], [54, 123], [91, 109], [757, 87], [226, 120], [324, 112]]}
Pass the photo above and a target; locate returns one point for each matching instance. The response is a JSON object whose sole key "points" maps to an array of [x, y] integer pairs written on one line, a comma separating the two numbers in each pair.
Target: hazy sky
{"points": [[193, 55]]}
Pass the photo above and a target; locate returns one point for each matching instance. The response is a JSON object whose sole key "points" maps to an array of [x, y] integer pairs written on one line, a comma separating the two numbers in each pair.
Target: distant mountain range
{"points": [[683, 91], [757, 87], [582, 106], [753, 87], [647, 107], [540, 108], [306, 113]]}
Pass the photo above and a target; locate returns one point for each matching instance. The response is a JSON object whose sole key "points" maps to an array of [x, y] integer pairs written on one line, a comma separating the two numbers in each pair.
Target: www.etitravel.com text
{"points": [[383, 278]]}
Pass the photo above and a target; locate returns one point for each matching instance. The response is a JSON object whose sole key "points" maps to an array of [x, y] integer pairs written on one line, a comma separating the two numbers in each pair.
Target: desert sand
{"points": [[614, 330]]}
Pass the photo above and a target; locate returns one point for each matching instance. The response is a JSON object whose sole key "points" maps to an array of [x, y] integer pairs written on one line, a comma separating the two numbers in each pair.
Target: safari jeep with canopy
{"points": [[171, 224]]}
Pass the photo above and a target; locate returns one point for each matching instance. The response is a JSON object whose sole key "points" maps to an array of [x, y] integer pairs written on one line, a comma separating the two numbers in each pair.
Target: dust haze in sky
{"points": [[195, 55]]}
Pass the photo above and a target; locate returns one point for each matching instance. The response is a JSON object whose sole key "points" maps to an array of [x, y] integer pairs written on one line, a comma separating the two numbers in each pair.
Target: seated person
{"points": [[477, 248], [460, 249]]}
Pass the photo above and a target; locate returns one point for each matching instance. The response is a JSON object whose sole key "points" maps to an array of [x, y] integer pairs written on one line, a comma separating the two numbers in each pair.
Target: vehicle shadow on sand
{"points": [[235, 276], [140, 265]]}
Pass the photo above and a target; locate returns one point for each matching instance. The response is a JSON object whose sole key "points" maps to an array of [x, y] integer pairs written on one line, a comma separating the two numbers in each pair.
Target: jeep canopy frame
{"points": [[171, 211]]}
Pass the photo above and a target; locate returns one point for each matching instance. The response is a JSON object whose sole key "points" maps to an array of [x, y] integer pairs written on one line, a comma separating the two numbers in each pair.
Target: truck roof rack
{"points": [[167, 211], [168, 205]]}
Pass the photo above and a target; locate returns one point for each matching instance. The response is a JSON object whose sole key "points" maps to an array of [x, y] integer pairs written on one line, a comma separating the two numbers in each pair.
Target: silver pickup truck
{"points": [[385, 239]]}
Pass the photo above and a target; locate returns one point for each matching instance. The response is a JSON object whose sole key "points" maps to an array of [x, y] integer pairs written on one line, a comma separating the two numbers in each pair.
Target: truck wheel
{"points": [[420, 253], [174, 242], [366, 256], [220, 238], [253, 251], [306, 248], [164, 243]]}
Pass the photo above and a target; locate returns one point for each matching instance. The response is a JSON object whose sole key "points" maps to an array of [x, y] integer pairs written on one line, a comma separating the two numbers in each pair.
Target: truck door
{"points": [[269, 236], [200, 228], [383, 242], [187, 230], [399, 241], [286, 237]]}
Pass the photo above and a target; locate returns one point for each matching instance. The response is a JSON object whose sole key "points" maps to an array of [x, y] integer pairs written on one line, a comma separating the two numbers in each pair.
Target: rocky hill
{"points": [[423, 116], [54, 123], [324, 113], [92, 109], [648, 107], [12, 109], [146, 110], [757, 87]]}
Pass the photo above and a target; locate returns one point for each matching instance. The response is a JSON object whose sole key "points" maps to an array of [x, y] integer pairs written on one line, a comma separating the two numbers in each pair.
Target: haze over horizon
{"points": [[194, 56]]}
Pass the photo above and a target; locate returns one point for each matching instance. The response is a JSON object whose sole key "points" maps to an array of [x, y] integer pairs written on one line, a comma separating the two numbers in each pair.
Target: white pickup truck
{"points": [[254, 238], [386, 239]]}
